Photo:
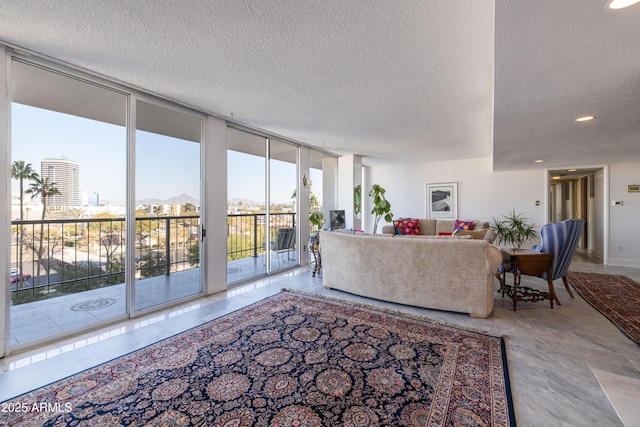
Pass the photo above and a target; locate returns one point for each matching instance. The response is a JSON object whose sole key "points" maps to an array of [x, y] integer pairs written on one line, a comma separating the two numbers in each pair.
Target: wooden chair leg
{"points": [[552, 291], [566, 285]]}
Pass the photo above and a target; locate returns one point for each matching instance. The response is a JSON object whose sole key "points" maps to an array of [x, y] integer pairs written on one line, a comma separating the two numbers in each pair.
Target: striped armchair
{"points": [[560, 239]]}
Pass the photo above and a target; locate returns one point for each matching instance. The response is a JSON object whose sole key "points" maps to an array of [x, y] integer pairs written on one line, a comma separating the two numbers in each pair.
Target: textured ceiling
{"points": [[403, 81]]}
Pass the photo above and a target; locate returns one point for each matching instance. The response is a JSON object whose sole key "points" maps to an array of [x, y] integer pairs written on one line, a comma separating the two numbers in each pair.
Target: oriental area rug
{"points": [[291, 360], [617, 297]]}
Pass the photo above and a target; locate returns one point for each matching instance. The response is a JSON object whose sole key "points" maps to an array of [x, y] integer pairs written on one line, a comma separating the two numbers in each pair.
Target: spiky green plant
{"points": [[513, 230]]}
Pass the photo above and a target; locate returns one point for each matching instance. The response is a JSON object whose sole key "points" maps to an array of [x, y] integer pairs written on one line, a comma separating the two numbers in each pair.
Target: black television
{"points": [[336, 219]]}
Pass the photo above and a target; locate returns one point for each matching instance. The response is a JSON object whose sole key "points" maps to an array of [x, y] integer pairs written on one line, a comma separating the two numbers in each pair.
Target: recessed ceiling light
{"points": [[556, 177], [539, 161], [621, 4], [586, 118], [572, 170]]}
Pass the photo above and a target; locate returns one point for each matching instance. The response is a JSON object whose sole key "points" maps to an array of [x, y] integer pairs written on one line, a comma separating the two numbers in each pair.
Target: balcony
{"points": [[81, 264]]}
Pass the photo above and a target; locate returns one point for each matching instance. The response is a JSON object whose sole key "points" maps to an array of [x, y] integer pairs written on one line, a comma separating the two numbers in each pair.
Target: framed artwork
{"points": [[442, 200]]}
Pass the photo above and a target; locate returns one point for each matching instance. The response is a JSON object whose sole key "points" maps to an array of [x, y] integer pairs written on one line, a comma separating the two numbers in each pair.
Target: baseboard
{"points": [[622, 262]]}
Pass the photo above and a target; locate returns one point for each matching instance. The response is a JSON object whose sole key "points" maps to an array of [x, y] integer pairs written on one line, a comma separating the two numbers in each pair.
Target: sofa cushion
{"points": [[407, 226], [462, 225], [445, 226], [422, 236], [480, 225], [475, 234], [428, 227]]}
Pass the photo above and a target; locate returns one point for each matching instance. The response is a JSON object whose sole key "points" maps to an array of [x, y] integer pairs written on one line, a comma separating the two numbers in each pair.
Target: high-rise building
{"points": [[65, 173]]}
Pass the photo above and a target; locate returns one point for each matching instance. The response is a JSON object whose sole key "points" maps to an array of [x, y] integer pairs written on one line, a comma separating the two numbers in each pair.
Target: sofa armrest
{"points": [[494, 258], [490, 236]]}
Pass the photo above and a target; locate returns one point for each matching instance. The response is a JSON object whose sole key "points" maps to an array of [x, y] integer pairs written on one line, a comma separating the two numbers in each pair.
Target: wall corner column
{"points": [[215, 203]]}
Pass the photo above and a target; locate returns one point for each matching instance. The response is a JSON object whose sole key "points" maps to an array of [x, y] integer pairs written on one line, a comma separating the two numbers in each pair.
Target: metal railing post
{"points": [[167, 244], [255, 235]]}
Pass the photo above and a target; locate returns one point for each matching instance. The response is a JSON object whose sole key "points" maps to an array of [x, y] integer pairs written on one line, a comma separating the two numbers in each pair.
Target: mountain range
{"points": [[180, 199]]}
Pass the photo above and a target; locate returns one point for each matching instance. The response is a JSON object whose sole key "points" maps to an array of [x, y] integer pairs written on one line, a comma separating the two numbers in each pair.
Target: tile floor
{"points": [[569, 366], [40, 320]]}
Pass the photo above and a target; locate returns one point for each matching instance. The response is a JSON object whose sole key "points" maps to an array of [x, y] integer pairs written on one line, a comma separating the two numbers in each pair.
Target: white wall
{"points": [[623, 220], [329, 185], [215, 210], [346, 177], [482, 193]]}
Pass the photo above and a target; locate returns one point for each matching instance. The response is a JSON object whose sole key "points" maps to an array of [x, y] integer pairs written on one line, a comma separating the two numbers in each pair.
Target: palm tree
{"points": [[21, 171], [41, 187]]}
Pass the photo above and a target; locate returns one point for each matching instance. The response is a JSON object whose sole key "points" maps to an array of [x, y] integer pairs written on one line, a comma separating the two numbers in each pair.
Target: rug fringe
{"points": [[396, 312]]}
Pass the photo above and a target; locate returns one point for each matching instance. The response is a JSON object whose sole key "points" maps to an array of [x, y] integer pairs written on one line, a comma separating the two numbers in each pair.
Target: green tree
{"points": [[22, 172], [152, 264], [41, 187], [194, 254]]}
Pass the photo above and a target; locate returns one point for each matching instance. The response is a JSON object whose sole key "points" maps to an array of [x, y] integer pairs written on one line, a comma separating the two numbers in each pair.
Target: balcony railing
{"points": [[246, 232], [73, 255]]}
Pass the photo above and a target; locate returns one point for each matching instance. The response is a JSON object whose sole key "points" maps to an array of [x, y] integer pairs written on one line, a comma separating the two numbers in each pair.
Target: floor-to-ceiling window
{"points": [[261, 205], [167, 189], [105, 215], [283, 232], [68, 155], [246, 205]]}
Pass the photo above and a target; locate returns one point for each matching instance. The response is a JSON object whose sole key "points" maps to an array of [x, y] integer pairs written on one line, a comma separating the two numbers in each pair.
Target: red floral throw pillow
{"points": [[462, 225], [407, 226]]}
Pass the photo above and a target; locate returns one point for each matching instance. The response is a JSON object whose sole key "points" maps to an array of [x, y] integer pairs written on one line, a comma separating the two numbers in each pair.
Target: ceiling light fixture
{"points": [[620, 4], [555, 177], [539, 161], [572, 170], [586, 118]]}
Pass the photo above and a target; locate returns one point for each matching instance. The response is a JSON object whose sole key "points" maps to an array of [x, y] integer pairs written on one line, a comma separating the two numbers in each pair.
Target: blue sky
{"points": [[166, 167]]}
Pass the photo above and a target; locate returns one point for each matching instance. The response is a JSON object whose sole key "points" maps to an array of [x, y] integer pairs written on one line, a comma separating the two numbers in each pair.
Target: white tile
{"points": [[624, 394]]}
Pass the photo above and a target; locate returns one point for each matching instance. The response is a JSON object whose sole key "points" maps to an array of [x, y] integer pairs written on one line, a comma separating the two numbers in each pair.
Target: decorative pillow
{"points": [[397, 225], [462, 225], [407, 226]]}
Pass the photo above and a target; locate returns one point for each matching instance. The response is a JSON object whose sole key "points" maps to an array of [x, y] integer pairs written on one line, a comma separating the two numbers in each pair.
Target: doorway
{"points": [[579, 193]]}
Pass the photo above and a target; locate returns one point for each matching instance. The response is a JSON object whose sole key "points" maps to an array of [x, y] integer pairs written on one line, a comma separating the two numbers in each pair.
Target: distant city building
{"points": [[65, 173], [89, 199]]}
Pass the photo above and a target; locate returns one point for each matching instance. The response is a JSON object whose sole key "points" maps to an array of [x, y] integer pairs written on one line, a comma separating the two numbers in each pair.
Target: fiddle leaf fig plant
{"points": [[357, 200], [381, 206], [513, 230]]}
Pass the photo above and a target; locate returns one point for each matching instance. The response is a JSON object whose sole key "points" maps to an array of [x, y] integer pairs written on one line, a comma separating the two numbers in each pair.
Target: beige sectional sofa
{"points": [[452, 274], [435, 227]]}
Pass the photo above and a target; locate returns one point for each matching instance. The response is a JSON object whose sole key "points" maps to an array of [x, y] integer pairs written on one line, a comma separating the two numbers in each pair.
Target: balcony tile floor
{"points": [[54, 316], [568, 366]]}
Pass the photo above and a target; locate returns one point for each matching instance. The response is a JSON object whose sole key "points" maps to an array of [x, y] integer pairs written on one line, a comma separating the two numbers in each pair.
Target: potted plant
{"points": [[317, 219], [381, 206], [513, 230]]}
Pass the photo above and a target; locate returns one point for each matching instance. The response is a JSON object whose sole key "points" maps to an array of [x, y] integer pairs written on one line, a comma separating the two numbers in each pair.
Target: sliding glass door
{"points": [[167, 189], [283, 230], [261, 208], [68, 155], [105, 219], [246, 205]]}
